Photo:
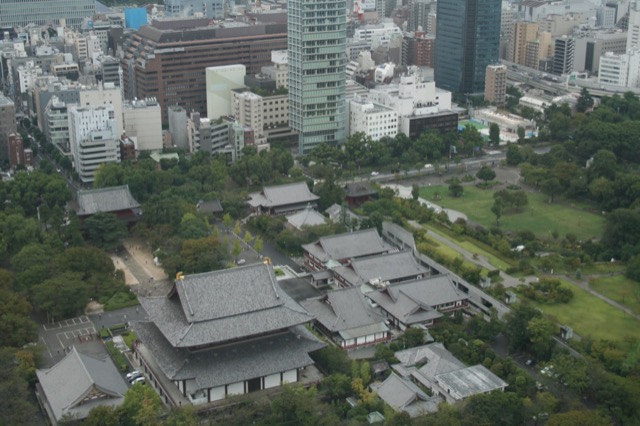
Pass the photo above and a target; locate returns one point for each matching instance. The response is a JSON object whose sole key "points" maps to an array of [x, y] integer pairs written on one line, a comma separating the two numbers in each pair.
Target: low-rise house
{"points": [[377, 271], [282, 199], [115, 199], [223, 333], [306, 217], [438, 370], [419, 302], [331, 251], [77, 384], [347, 318], [358, 193]]}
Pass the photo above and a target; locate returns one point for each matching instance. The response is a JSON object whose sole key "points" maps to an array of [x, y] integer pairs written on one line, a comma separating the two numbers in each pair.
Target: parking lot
{"points": [[58, 338]]}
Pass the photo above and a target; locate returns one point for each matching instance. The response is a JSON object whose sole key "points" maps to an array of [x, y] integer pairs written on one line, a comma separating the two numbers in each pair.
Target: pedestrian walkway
{"points": [[405, 192]]}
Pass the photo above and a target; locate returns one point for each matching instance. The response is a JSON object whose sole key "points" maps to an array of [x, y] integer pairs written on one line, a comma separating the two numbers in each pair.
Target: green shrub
{"points": [[118, 358], [122, 299]]}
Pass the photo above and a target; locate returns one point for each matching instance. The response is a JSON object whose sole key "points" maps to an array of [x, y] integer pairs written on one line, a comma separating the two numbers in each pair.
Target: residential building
{"points": [[127, 148], [168, 59], [523, 33], [334, 250], [345, 317], [419, 49], [375, 272], [19, 13], [282, 199], [317, 38], [419, 302], [93, 138], [563, 55], [220, 82], [114, 199], [374, 120], [210, 136], [248, 109], [223, 333], [142, 120], [495, 90], [7, 125], [77, 384], [212, 9], [468, 41], [419, 15], [401, 394]]}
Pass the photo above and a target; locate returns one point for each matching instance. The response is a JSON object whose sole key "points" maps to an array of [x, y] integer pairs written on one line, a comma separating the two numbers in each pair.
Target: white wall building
{"points": [[142, 120], [633, 34], [249, 110], [377, 34], [279, 71], [620, 70], [107, 94], [93, 139], [374, 120], [220, 82], [412, 96]]}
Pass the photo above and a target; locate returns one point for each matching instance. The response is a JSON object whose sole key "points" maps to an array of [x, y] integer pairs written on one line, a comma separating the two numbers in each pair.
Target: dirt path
{"points": [[144, 257]]}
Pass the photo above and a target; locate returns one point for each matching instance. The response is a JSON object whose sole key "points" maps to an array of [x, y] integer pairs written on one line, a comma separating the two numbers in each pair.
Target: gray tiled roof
{"points": [[212, 206], [230, 363], [335, 213], [282, 195], [349, 245], [359, 189], [343, 309], [223, 305], [435, 357], [470, 381], [105, 200], [399, 393], [68, 382], [306, 217], [388, 267], [413, 301]]}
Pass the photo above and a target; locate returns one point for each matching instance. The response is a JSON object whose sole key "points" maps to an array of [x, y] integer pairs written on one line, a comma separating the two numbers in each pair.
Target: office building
{"points": [[418, 19], [167, 59], [56, 125], [374, 120], [620, 70], [633, 33], [220, 82], [468, 40], [93, 139], [317, 37], [178, 126], [495, 88], [563, 49], [19, 13], [279, 70], [589, 49]]}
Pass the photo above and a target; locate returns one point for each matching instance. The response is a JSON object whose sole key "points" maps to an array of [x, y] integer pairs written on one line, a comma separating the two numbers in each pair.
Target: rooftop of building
{"points": [[103, 200]]}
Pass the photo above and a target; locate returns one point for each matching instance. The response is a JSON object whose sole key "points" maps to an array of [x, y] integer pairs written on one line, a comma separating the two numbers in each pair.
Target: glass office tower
{"points": [[468, 39], [317, 63], [18, 13]]}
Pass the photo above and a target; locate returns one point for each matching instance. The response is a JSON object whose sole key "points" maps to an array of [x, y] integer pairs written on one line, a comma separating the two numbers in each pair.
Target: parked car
{"points": [[140, 379], [375, 173], [135, 377], [133, 373]]}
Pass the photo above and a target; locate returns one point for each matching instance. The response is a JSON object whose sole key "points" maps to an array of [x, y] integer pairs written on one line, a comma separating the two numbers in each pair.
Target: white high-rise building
{"points": [[317, 41], [374, 120], [220, 82], [620, 70], [107, 94], [93, 139]]}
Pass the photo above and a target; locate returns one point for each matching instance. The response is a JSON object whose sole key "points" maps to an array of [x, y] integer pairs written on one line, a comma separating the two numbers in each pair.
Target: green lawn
{"points": [[588, 315], [620, 289], [539, 216], [473, 248]]}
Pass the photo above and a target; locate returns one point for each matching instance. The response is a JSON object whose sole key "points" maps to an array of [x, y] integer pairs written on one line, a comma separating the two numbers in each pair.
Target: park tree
{"points": [[585, 101], [193, 227], [415, 192], [105, 230], [521, 134], [621, 236], [497, 209], [236, 248], [455, 188], [16, 407], [579, 418], [604, 164], [494, 134], [203, 255], [103, 415], [517, 325], [552, 187], [258, 244], [514, 156], [16, 328], [62, 296], [471, 139], [541, 332], [633, 268], [330, 192], [109, 174], [486, 174], [142, 406]]}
